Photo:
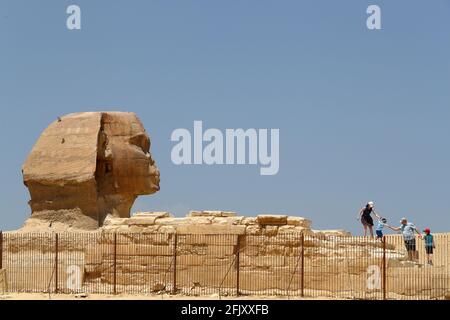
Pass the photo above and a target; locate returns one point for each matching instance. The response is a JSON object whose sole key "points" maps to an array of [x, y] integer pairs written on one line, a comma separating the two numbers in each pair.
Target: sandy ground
{"points": [[46, 296]]}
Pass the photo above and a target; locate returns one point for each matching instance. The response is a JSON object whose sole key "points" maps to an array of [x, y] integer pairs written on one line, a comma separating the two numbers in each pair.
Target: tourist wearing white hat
{"points": [[365, 214]]}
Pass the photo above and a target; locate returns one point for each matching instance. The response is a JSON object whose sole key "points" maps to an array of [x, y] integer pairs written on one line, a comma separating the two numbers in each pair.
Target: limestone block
{"points": [[338, 233], [249, 221], [142, 229], [3, 281], [93, 255], [162, 261], [141, 221], [200, 220], [220, 251], [207, 276], [210, 229], [211, 213], [111, 221], [228, 220], [293, 261], [191, 260], [275, 249], [406, 280], [143, 280], [291, 240], [167, 229], [156, 214], [270, 231], [288, 229], [252, 250], [173, 221], [255, 230], [144, 250], [299, 221], [219, 260], [266, 219], [254, 280], [262, 261], [207, 239], [20, 277], [145, 238], [191, 249]]}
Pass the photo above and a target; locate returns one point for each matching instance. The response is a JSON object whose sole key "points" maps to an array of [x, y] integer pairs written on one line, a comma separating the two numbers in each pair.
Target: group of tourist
{"points": [[407, 229]]}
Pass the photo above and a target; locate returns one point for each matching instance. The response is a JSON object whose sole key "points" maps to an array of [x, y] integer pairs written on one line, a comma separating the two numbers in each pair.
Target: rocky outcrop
{"points": [[86, 166], [212, 222]]}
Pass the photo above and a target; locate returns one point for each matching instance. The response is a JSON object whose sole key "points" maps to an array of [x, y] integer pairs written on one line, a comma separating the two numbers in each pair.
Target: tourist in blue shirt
{"points": [[408, 231], [429, 245], [379, 229]]}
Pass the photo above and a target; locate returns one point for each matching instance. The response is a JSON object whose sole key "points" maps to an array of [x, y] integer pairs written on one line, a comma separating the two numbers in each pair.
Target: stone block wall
{"points": [[212, 252]]}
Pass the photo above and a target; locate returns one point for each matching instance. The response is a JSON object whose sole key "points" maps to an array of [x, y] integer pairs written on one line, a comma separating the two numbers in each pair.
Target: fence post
{"points": [[175, 245], [384, 268], [302, 266], [56, 261], [115, 265], [1, 250], [238, 265]]}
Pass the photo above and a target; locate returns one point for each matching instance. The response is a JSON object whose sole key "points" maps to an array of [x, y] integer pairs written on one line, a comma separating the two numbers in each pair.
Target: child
{"points": [[379, 230], [429, 245]]}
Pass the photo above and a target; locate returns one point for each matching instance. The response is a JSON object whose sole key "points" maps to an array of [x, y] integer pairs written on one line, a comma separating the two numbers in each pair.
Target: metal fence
{"points": [[292, 265]]}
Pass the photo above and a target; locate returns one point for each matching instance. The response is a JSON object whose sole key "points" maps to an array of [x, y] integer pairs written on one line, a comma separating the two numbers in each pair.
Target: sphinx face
{"points": [[124, 164], [95, 164]]}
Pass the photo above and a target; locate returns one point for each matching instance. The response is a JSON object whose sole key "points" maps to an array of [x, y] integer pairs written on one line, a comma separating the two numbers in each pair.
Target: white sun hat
{"points": [[403, 219], [370, 203]]}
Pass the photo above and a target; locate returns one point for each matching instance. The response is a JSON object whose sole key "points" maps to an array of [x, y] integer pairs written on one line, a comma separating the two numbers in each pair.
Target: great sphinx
{"points": [[86, 166]]}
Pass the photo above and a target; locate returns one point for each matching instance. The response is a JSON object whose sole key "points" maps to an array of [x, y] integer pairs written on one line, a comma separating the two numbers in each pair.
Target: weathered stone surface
{"points": [[299, 222], [172, 221], [143, 250], [210, 229], [228, 220], [270, 219], [155, 214], [338, 233], [208, 239], [262, 261], [167, 229], [211, 213], [253, 230], [142, 221], [3, 282], [249, 221], [93, 163], [267, 263], [191, 260], [270, 231]]}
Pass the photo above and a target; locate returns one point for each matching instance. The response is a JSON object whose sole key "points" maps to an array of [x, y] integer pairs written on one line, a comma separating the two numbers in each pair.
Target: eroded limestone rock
{"points": [[211, 213], [86, 166], [217, 222], [272, 219]]}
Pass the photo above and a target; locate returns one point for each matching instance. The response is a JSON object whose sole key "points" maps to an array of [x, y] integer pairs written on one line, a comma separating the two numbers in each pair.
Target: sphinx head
{"points": [[90, 165]]}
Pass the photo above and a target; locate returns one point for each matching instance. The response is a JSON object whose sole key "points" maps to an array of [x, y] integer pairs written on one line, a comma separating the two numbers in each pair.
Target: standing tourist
{"points": [[365, 215], [409, 231]]}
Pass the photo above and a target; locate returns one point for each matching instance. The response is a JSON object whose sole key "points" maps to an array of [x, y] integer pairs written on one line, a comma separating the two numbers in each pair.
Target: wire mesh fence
{"points": [[291, 265], [417, 272]]}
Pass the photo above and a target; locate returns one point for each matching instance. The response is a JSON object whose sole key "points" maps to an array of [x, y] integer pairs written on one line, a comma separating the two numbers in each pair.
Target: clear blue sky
{"points": [[363, 115]]}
